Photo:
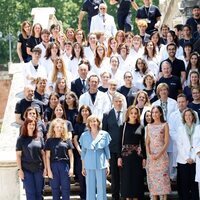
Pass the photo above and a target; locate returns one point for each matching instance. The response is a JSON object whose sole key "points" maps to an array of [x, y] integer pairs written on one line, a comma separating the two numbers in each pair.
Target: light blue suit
{"points": [[95, 154]]}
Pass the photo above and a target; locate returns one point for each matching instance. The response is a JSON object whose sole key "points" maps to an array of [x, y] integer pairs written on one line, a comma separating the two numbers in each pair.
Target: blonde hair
{"points": [[161, 86], [55, 70], [142, 22], [64, 134], [90, 119]]}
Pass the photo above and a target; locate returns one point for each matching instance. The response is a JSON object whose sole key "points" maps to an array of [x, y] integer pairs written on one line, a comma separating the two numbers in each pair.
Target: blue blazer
{"points": [[95, 153]]}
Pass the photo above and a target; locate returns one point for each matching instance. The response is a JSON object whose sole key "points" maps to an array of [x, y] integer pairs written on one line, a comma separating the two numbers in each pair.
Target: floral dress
{"points": [[157, 170]]}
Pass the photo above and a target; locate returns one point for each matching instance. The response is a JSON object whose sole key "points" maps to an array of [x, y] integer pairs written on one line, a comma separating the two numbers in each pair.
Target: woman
{"points": [[61, 88], [141, 69], [59, 112], [142, 102], [194, 82], [53, 102], [32, 113], [137, 49], [120, 37], [71, 107], [149, 84], [105, 77], [112, 47], [114, 70], [79, 128], [128, 89], [155, 38], [59, 71], [188, 143], [151, 57], [193, 65], [59, 158], [52, 53], [31, 160], [132, 156], [95, 157], [22, 40], [77, 56], [124, 60], [80, 37], [70, 34], [101, 62], [157, 140], [54, 30], [34, 39]]}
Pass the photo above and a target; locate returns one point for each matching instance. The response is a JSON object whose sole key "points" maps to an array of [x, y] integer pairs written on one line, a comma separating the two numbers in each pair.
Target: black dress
{"points": [[132, 154]]}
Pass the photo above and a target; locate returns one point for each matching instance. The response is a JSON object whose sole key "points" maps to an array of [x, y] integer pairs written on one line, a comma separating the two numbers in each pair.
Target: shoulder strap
{"points": [[123, 133]]}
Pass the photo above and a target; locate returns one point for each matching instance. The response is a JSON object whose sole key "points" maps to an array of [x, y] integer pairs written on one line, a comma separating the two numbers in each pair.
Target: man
{"points": [[112, 90], [172, 81], [178, 66], [33, 69], [111, 123], [91, 7], [195, 19], [79, 86], [103, 22], [175, 121], [124, 13], [93, 98], [142, 26], [45, 35], [178, 30], [23, 104], [164, 30], [195, 104], [151, 14]]}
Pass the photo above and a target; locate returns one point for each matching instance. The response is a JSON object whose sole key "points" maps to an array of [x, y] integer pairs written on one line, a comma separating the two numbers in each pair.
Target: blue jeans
{"points": [[61, 181], [33, 184]]}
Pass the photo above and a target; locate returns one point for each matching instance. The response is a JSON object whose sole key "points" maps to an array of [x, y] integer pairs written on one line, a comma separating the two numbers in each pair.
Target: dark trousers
{"points": [[61, 180], [78, 172], [115, 176], [124, 21], [188, 188], [33, 184]]}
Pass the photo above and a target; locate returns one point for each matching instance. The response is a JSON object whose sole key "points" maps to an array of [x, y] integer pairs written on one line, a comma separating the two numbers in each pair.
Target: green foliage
{"points": [[13, 12]]}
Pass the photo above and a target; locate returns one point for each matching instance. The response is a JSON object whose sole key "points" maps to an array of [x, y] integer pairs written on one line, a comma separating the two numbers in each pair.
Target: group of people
{"points": [[115, 103]]}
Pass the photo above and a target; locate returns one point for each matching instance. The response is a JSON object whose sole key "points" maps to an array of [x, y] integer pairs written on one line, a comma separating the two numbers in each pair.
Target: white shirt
{"points": [[89, 54], [73, 67], [48, 65], [104, 24]]}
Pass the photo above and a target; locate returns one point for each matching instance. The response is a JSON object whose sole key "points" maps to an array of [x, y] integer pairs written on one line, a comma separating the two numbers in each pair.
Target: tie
{"points": [[84, 86], [104, 19], [118, 118]]}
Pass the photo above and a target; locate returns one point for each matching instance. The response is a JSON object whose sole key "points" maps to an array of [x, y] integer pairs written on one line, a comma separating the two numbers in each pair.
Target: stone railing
{"points": [[9, 182]]}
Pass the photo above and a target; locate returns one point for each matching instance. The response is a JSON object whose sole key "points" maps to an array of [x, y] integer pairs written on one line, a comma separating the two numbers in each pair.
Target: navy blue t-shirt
{"points": [[58, 149], [31, 148], [195, 107]]}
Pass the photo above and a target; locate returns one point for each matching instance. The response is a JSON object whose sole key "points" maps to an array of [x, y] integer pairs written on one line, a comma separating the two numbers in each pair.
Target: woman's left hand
{"points": [[71, 172], [107, 171]]}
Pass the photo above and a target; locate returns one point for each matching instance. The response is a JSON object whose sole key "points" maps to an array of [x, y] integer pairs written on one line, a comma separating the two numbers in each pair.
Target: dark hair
{"points": [[24, 130], [193, 114], [179, 27], [189, 66], [128, 112], [144, 63], [86, 62], [53, 116], [53, 94], [33, 31], [196, 6], [161, 112], [149, 75], [53, 26], [171, 44], [120, 46], [75, 98], [159, 40], [146, 51], [79, 118], [45, 31], [73, 51], [144, 120], [29, 109], [175, 37], [48, 50]]}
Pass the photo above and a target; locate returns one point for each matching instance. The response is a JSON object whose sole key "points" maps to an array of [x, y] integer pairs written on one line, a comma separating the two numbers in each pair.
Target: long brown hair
{"points": [[24, 23], [24, 131], [98, 60], [128, 113]]}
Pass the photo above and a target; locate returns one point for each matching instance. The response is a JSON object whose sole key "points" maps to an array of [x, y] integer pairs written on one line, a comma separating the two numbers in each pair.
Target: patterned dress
{"points": [[157, 170]]}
